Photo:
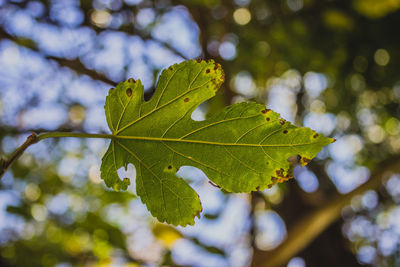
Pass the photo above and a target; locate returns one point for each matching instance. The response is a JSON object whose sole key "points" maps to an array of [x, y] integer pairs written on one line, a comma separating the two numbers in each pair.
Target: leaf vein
{"points": [[109, 115], [173, 124], [270, 134], [145, 165], [215, 123], [241, 162], [123, 112], [159, 107], [247, 132], [166, 85], [192, 159], [268, 155]]}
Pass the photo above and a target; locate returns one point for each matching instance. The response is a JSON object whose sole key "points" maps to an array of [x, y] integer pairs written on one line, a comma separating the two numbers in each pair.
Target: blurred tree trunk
{"points": [[304, 231]]}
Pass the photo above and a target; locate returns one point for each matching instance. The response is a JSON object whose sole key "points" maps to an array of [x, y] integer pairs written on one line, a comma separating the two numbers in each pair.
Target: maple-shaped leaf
{"points": [[242, 149]]}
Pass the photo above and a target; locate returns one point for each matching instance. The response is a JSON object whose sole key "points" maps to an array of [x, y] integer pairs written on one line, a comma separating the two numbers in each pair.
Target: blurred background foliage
{"points": [[332, 65]]}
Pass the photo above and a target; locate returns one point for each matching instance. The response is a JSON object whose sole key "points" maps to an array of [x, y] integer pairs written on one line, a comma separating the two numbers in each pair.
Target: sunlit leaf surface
{"points": [[242, 149]]}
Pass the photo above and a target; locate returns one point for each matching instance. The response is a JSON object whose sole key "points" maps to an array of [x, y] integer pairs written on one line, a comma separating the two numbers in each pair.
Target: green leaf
{"points": [[242, 149]]}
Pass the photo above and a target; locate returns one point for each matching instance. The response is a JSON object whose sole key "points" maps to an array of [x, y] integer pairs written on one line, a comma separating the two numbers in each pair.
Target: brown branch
{"points": [[75, 65], [165, 44], [11, 130], [5, 164], [312, 225]]}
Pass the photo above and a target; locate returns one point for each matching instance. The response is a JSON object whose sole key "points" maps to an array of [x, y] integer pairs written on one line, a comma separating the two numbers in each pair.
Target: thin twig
{"points": [[76, 64], [34, 138], [5, 164]]}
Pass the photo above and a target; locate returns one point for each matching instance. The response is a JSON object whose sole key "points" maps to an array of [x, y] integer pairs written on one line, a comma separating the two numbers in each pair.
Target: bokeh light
{"points": [[242, 16]]}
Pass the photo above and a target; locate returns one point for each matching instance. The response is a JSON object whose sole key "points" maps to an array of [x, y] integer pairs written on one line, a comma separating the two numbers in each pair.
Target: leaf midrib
{"points": [[163, 139]]}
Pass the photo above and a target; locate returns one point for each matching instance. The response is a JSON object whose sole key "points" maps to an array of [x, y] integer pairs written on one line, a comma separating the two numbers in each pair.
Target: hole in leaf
{"points": [[192, 174], [130, 173], [199, 114]]}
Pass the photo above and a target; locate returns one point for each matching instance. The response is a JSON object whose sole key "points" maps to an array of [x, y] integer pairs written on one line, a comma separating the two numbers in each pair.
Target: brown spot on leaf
{"points": [[285, 131], [268, 119], [198, 60], [111, 88], [186, 99], [281, 177], [131, 80], [304, 161], [282, 121], [129, 92], [216, 67], [170, 68], [279, 172], [316, 135], [169, 167], [333, 140], [207, 70], [265, 111]]}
